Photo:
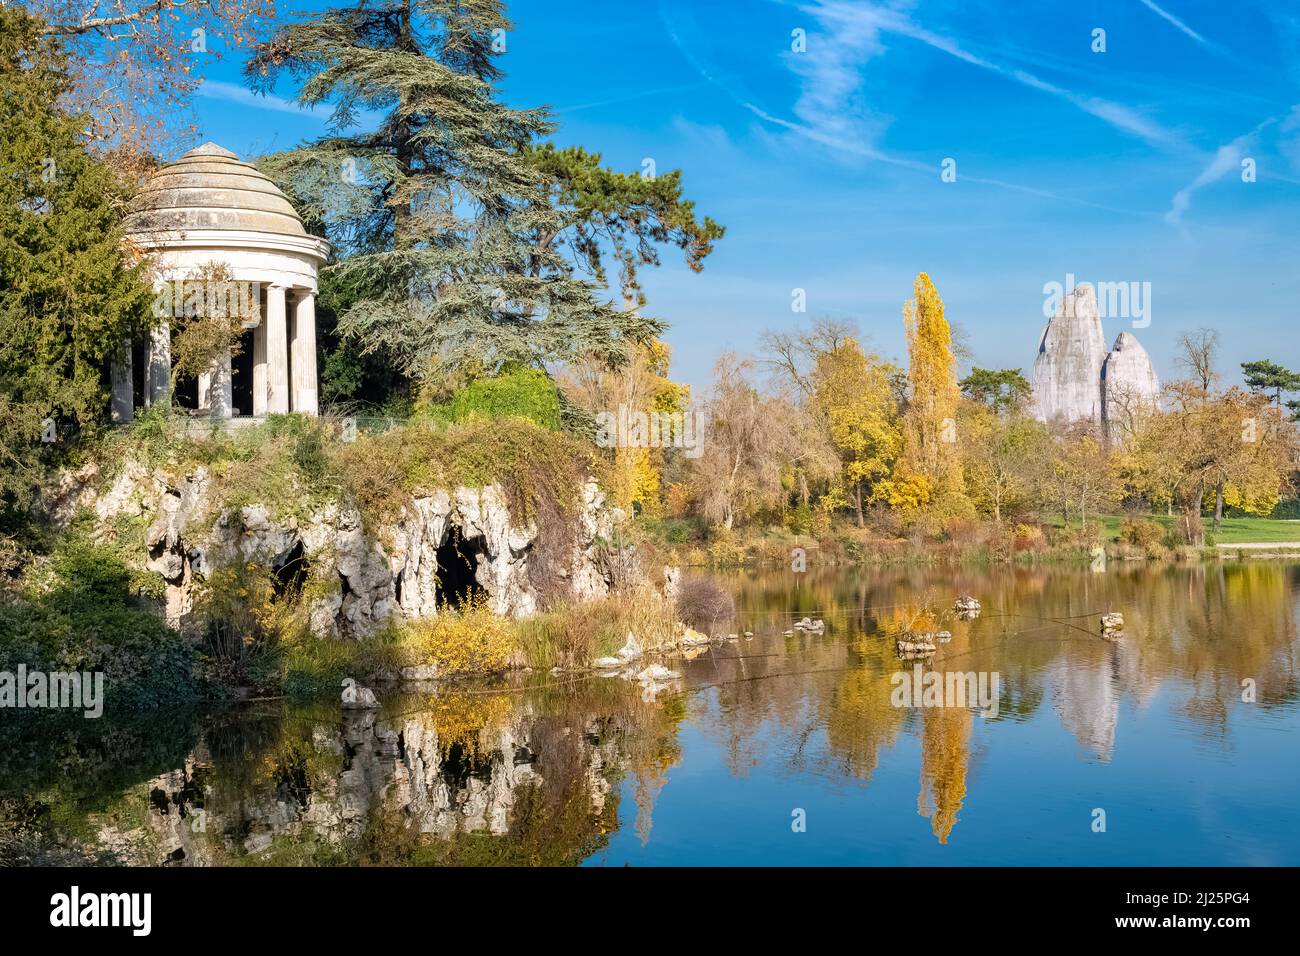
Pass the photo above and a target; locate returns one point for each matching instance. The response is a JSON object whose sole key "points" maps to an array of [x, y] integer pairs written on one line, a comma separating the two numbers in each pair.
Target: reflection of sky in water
{"points": [[1150, 729], [1169, 800]]}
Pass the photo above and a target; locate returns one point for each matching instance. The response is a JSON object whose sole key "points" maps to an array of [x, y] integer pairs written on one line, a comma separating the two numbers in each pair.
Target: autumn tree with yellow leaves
{"points": [[928, 475], [853, 397], [642, 385]]}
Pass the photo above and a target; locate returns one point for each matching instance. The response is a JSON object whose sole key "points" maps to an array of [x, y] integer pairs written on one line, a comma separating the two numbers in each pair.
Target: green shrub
{"points": [[85, 618], [519, 392], [800, 518], [671, 531]]}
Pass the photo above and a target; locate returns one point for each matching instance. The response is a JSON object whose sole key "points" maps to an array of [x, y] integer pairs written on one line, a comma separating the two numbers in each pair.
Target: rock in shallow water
{"points": [[631, 649], [693, 638], [656, 673], [356, 697]]}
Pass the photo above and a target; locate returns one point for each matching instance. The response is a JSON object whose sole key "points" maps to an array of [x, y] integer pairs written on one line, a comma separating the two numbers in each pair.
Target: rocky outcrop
{"points": [[1076, 379], [380, 573], [1128, 383], [1067, 371]]}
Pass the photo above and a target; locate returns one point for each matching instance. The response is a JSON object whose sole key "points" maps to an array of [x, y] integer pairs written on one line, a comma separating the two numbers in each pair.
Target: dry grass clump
{"points": [[574, 635]]}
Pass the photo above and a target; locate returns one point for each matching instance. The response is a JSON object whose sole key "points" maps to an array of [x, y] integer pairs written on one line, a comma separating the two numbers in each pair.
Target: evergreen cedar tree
{"points": [[69, 295], [462, 246]]}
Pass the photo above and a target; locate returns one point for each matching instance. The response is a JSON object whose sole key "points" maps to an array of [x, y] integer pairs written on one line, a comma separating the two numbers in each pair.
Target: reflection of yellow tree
{"points": [[468, 719], [860, 720], [651, 752], [945, 752]]}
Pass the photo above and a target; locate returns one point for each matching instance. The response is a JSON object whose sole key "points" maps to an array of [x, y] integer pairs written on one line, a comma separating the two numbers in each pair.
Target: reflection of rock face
{"points": [[1086, 698], [1067, 372], [434, 787], [1087, 691]]}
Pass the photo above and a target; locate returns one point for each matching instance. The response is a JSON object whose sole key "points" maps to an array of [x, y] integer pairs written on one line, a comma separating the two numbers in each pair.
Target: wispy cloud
{"points": [[234, 93], [1114, 114], [1176, 22], [824, 111], [829, 110], [1226, 159], [832, 79]]}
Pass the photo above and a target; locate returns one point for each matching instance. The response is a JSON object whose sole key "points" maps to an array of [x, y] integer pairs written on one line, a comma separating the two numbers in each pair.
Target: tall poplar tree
{"points": [[930, 468], [432, 214]]}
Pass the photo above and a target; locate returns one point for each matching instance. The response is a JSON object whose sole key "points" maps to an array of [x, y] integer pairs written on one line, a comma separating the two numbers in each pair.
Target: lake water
{"points": [[787, 748]]}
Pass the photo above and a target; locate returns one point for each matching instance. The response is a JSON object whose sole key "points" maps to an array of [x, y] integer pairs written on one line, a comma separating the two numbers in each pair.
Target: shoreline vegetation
{"points": [[1131, 537], [80, 596]]}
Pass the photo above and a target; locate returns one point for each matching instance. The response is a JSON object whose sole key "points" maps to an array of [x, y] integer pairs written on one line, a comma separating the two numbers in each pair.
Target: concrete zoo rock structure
{"points": [[389, 572], [1074, 377]]}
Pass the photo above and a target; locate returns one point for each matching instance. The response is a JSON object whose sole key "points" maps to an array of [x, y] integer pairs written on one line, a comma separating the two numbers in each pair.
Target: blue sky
{"points": [[1122, 166]]}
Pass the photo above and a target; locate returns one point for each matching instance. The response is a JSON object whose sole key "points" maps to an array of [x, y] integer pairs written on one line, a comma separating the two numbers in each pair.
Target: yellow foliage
{"points": [[726, 552], [462, 717], [1260, 500], [473, 640], [852, 393], [929, 426], [906, 491], [635, 479]]}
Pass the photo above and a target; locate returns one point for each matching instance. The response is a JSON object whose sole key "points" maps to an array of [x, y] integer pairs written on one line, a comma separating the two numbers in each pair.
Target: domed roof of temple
{"points": [[211, 188]]}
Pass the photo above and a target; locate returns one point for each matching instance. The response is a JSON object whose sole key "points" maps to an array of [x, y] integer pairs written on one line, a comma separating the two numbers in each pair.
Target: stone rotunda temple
{"points": [[210, 208]]}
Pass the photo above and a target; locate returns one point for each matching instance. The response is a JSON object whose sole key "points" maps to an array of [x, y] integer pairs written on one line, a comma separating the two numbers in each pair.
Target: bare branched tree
{"points": [[137, 63], [1198, 353]]}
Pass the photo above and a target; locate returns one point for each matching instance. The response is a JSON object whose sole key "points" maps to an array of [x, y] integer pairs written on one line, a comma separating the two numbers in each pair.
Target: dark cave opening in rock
{"points": [[462, 762], [291, 573], [458, 559]]}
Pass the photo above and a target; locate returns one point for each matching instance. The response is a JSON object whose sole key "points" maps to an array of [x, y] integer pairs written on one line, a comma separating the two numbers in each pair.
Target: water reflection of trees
{"points": [[1194, 632], [535, 775]]}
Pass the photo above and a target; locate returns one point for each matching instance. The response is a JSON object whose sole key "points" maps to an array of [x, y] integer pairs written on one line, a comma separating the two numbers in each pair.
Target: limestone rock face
{"points": [[386, 572], [1067, 371], [1128, 381]]}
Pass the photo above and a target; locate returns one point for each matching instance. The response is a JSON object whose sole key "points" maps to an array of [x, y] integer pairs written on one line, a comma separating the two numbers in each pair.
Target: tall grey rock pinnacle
{"points": [[1067, 371], [1128, 382]]}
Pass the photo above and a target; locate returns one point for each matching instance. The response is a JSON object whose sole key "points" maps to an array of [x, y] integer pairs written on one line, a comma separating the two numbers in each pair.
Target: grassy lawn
{"points": [[1231, 531], [1255, 530]]}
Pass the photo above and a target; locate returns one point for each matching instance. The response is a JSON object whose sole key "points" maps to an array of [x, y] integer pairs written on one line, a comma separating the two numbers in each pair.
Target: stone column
{"points": [[123, 388], [259, 368], [204, 402], [277, 352], [216, 396], [158, 364], [222, 396], [304, 353]]}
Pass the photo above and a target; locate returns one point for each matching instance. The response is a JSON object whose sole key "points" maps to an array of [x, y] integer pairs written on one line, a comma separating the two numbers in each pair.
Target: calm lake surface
{"points": [[758, 736]]}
